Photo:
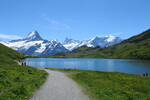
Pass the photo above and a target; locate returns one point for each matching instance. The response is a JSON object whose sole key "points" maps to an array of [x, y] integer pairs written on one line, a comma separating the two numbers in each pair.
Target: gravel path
{"points": [[59, 87]]}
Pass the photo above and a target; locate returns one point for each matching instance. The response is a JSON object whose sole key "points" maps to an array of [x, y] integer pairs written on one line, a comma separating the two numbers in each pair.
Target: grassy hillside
{"points": [[138, 38], [10, 52], [111, 85], [17, 82], [137, 47]]}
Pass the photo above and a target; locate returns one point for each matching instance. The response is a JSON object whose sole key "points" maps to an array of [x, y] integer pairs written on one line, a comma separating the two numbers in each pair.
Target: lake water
{"points": [[113, 65]]}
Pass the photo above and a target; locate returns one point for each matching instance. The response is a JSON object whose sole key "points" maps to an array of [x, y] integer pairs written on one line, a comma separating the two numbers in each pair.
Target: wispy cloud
{"points": [[3, 36], [45, 17], [118, 33], [55, 24], [59, 25]]}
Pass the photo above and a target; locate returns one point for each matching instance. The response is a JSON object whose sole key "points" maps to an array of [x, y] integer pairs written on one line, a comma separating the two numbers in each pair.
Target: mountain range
{"points": [[35, 45], [71, 44], [136, 47]]}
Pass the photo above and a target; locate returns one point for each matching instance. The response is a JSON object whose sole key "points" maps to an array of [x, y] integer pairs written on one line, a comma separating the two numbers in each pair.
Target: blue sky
{"points": [[77, 19]]}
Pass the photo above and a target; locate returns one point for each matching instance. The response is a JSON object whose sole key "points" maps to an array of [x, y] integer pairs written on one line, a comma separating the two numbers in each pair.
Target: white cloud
{"points": [[3, 36], [55, 24]]}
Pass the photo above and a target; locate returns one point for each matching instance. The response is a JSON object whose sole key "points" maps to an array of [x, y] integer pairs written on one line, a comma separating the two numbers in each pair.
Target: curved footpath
{"points": [[59, 87]]}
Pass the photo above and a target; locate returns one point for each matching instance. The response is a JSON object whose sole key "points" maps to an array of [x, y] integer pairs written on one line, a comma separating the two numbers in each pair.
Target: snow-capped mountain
{"points": [[33, 44], [71, 44]]}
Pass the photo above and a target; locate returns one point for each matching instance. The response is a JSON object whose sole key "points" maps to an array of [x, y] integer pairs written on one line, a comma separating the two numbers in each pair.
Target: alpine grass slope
{"points": [[17, 82]]}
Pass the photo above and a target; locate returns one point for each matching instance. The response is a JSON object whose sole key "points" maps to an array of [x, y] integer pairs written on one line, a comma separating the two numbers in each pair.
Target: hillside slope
{"points": [[17, 82], [8, 55], [136, 47]]}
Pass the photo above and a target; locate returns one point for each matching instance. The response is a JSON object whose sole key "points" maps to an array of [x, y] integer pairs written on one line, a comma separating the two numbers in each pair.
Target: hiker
{"points": [[25, 63]]}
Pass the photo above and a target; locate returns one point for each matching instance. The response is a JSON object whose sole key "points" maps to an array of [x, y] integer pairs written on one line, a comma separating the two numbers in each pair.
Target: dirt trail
{"points": [[59, 87]]}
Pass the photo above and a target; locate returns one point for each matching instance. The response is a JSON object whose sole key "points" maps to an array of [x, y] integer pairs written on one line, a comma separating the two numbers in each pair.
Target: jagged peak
{"points": [[34, 35], [69, 40]]}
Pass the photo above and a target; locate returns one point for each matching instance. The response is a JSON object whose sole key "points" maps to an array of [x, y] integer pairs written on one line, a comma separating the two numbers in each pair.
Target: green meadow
{"points": [[110, 85]]}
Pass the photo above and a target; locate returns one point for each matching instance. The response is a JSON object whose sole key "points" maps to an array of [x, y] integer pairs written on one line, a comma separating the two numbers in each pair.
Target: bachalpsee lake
{"points": [[110, 65]]}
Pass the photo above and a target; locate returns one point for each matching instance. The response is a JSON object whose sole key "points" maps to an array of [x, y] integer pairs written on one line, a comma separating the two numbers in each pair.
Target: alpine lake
{"points": [[109, 65]]}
